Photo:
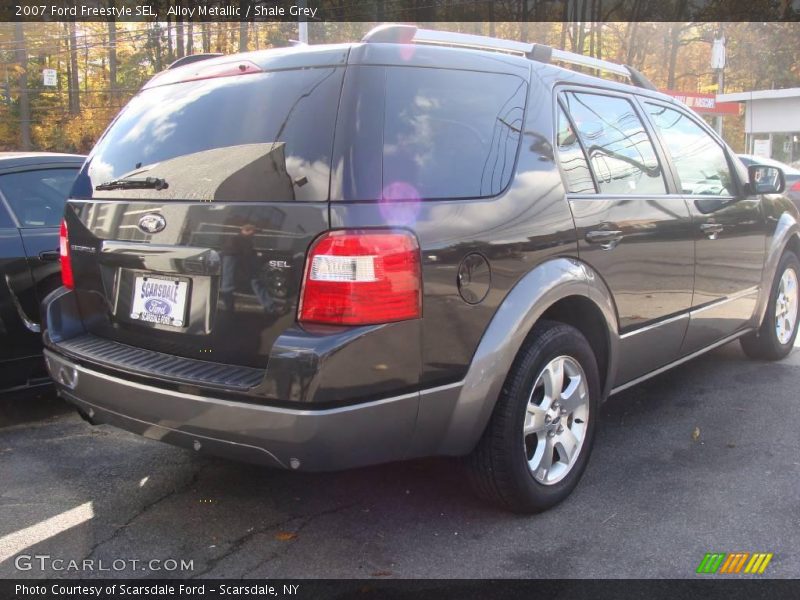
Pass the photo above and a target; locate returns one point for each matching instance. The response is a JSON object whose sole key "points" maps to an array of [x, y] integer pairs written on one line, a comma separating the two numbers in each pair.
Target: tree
{"points": [[112, 59], [24, 100], [243, 36], [170, 53], [154, 44], [206, 34], [179, 32], [74, 81]]}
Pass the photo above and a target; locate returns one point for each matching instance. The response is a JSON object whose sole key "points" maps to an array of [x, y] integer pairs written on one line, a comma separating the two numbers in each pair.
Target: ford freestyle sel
{"points": [[420, 244]]}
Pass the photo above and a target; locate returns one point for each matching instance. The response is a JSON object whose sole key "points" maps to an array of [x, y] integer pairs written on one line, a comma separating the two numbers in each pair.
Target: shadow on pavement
{"points": [[27, 406], [680, 465]]}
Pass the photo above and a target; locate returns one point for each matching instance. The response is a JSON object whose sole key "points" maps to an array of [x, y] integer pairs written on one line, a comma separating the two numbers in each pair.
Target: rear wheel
{"points": [[775, 338], [538, 441]]}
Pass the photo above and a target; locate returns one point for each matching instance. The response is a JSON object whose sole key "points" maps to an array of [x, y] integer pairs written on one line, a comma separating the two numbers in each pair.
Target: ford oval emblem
{"points": [[157, 307], [152, 223]]}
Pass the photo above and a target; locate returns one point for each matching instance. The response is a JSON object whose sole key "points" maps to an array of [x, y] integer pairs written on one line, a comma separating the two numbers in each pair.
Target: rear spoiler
{"points": [[174, 74]]}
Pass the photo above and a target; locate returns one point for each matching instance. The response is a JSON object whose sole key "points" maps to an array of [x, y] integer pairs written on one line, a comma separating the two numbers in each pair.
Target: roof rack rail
{"points": [[192, 58], [393, 33]]}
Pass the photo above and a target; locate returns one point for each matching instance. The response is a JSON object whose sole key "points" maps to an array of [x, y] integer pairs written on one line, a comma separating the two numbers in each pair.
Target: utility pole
{"points": [[718, 63], [112, 58], [720, 90], [302, 23], [74, 83]]}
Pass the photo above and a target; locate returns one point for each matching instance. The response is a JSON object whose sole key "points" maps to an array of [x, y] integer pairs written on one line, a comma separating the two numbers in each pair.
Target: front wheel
{"points": [[540, 435], [775, 338]]}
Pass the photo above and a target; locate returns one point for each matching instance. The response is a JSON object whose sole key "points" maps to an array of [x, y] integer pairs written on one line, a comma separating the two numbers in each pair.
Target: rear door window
{"points": [[37, 197], [450, 134], [620, 152], [255, 137]]}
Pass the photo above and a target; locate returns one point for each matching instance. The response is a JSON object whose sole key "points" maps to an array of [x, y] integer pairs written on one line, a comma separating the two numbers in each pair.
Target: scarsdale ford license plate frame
{"points": [[160, 299]]}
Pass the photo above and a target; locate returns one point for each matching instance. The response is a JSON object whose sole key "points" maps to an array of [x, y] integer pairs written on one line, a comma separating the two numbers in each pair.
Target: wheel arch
{"points": [[785, 237], [794, 244], [560, 289], [584, 315]]}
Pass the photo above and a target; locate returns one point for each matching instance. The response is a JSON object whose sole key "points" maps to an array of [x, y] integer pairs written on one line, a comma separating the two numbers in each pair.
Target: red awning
{"points": [[705, 104]]}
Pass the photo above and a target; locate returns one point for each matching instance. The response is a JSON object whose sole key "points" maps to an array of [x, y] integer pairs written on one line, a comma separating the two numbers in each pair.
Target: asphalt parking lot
{"points": [[703, 458]]}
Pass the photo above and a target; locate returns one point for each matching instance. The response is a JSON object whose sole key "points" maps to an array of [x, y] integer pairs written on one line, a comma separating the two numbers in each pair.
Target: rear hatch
{"points": [[189, 224]]}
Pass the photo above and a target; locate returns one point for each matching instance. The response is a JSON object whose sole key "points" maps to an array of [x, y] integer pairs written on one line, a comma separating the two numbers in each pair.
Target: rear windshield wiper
{"points": [[130, 183]]}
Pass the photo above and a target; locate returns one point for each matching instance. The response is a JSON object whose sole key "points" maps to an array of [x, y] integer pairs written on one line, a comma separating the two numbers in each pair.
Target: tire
{"points": [[499, 467], [767, 343]]}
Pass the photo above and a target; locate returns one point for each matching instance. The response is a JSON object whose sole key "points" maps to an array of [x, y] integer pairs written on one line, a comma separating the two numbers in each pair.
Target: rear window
{"points": [[422, 133], [451, 134], [37, 197], [255, 137]]}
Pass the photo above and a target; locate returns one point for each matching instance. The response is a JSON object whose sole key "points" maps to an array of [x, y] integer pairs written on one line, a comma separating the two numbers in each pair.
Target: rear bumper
{"points": [[313, 440]]}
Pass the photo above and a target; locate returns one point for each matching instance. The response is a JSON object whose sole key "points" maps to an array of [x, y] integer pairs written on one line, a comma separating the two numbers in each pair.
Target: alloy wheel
{"points": [[786, 307], [556, 420]]}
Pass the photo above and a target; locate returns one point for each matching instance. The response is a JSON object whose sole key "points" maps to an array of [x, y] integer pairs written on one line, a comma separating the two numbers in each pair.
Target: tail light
{"points": [[361, 278], [66, 262], [795, 186]]}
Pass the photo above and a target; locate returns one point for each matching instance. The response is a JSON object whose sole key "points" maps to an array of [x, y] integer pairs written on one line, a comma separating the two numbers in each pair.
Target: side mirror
{"points": [[766, 180]]}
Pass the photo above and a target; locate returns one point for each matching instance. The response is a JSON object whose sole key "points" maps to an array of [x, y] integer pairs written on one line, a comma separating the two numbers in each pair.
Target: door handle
{"points": [[712, 230], [607, 239], [50, 255]]}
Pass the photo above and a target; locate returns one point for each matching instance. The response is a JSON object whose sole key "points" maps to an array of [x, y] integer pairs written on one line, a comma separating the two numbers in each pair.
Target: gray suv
{"points": [[425, 243]]}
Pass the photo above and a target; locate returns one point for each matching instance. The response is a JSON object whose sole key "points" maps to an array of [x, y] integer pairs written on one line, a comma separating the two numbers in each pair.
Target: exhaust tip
{"points": [[87, 416], [68, 376]]}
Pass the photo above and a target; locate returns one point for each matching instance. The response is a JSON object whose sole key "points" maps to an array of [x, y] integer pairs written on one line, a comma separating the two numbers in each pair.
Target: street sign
{"points": [[762, 148], [718, 54], [50, 77]]}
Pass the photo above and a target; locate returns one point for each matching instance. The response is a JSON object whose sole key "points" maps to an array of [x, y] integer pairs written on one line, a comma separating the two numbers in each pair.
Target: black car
{"points": [[33, 189], [421, 244]]}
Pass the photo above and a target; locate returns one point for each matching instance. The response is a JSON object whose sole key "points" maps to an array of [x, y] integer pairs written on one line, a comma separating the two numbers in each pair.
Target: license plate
{"points": [[159, 300]]}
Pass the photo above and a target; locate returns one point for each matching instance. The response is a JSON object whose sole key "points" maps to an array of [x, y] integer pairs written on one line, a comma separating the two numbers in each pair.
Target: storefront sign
{"points": [[705, 104], [762, 148]]}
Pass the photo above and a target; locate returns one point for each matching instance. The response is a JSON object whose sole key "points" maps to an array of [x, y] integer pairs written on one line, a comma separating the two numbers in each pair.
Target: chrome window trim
{"points": [[10, 212], [655, 325]]}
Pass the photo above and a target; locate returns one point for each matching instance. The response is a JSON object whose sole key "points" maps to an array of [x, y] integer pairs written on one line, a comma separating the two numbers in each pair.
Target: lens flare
{"points": [[407, 51], [400, 203]]}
